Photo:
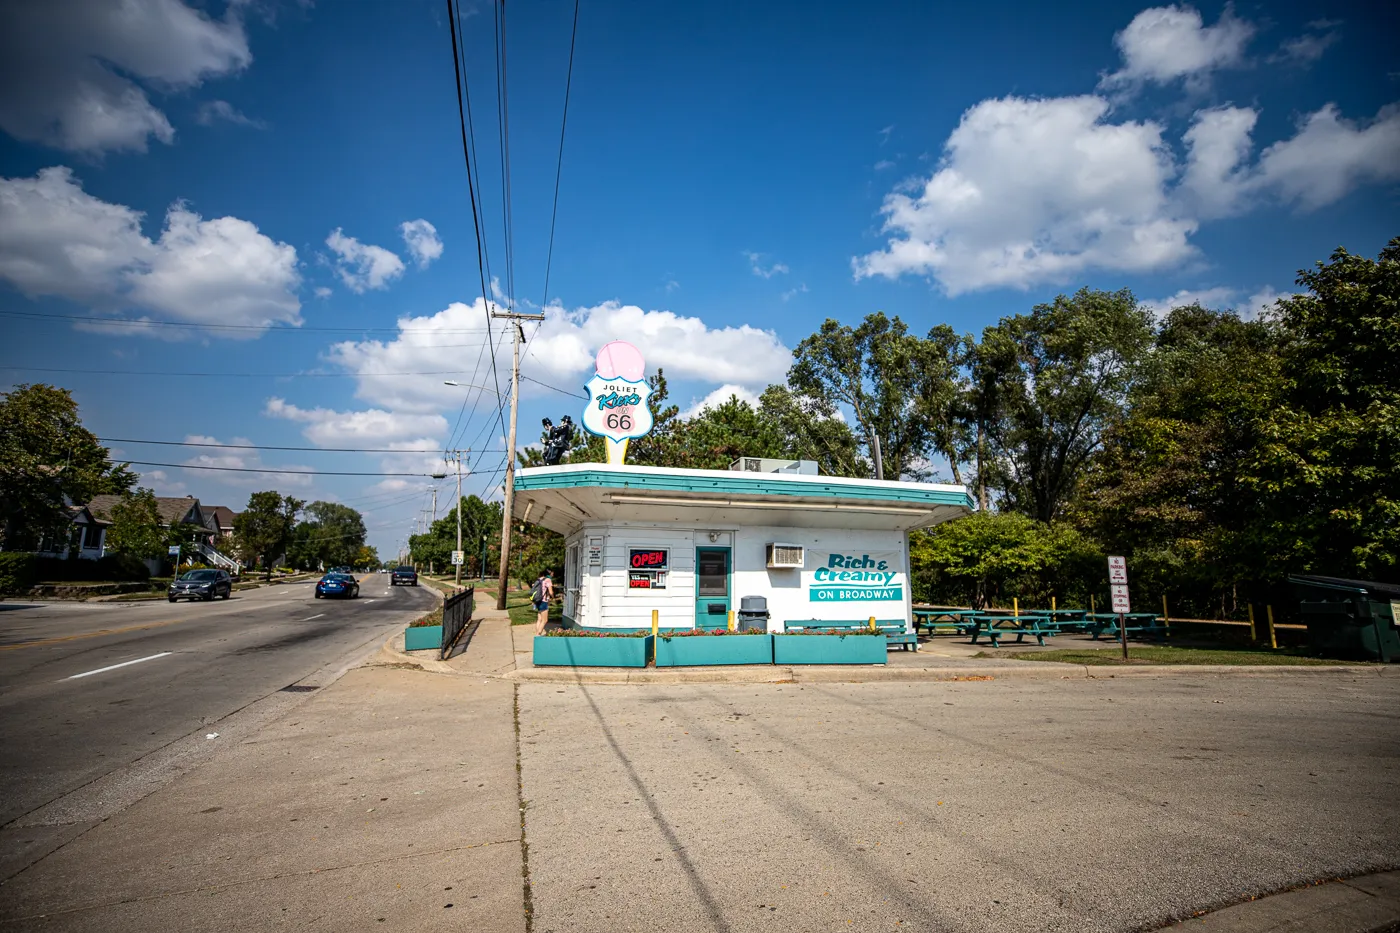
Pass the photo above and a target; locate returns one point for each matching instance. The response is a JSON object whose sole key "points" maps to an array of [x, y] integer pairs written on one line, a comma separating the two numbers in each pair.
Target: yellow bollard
{"points": [[1253, 635], [1052, 604], [1273, 640], [1166, 619], [655, 621], [873, 627], [1015, 607], [1092, 610], [731, 620]]}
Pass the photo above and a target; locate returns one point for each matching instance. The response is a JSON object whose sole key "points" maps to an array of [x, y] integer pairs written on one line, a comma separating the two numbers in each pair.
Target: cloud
{"points": [[1215, 298], [560, 352], [764, 272], [1220, 298], [215, 111], [1163, 44], [322, 291], [237, 461], [718, 397], [883, 165], [57, 240], [885, 133], [69, 68], [792, 293], [362, 266], [1092, 197], [422, 240], [1106, 195], [373, 427]]}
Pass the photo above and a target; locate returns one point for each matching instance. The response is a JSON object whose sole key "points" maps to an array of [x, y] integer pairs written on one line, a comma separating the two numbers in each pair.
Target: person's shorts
{"points": [[541, 606]]}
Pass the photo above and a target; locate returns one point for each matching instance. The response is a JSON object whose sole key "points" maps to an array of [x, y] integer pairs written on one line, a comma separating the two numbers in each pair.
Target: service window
{"points": [[647, 568]]}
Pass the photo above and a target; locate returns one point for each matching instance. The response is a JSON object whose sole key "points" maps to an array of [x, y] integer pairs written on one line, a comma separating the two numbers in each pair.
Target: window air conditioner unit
{"points": [[785, 556]]}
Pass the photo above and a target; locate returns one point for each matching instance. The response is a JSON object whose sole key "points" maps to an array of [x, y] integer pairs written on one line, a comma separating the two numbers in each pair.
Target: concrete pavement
{"points": [[101, 703], [1108, 804]]}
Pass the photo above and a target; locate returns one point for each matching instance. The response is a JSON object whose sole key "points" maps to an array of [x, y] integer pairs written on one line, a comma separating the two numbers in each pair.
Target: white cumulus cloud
{"points": [[241, 468], [58, 240], [221, 111], [718, 397], [757, 266], [1163, 44], [560, 352], [69, 68], [422, 240], [369, 428], [363, 266]]}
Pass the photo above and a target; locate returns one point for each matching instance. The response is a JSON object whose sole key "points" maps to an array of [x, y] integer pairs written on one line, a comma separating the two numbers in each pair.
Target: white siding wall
{"points": [[609, 603]]}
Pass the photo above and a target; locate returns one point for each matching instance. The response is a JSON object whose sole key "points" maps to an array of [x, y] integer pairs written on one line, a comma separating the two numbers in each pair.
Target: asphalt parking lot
{"points": [[1075, 805]]}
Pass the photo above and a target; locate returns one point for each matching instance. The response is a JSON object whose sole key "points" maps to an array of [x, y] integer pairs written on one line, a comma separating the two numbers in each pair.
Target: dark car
{"points": [[403, 576], [338, 584], [200, 584]]}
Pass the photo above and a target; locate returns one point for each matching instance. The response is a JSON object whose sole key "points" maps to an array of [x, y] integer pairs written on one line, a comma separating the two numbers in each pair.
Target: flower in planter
{"points": [[690, 633], [579, 633]]}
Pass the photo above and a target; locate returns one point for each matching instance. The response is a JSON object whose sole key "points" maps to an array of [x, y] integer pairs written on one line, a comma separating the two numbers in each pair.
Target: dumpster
{"points": [[1351, 619]]}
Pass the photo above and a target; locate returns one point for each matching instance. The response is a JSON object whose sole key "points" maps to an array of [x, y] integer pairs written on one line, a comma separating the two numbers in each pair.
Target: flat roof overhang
{"points": [[563, 498]]}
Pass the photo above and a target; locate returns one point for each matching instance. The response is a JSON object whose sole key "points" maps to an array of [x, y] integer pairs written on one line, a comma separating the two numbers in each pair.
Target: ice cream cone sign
{"points": [[617, 407]]}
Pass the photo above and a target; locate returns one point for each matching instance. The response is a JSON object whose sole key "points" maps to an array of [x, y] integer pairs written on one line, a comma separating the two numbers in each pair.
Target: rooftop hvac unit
{"points": [[785, 557], [774, 465]]}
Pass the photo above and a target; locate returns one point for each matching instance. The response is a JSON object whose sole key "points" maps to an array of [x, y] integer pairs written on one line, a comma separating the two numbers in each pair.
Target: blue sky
{"points": [[733, 174]]}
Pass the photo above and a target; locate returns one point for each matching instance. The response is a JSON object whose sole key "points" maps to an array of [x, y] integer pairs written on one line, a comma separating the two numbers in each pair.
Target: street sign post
{"points": [[1118, 590]]}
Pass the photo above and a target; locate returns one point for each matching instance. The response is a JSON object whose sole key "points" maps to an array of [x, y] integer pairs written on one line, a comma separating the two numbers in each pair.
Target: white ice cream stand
{"points": [[691, 543]]}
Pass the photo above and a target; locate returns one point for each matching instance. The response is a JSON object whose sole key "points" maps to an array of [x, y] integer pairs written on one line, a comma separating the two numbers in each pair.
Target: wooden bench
{"points": [[995, 628], [894, 630]]}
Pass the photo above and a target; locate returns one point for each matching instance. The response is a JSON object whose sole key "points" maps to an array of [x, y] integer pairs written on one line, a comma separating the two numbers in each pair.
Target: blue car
{"points": [[338, 584]]}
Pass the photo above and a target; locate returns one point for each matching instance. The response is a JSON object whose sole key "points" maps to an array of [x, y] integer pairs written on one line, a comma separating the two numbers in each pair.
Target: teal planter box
{"points": [[566, 651], [422, 637], [829, 649], [696, 650]]}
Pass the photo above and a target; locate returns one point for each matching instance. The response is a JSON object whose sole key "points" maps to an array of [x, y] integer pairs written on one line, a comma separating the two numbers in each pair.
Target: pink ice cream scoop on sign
{"points": [[621, 360]]}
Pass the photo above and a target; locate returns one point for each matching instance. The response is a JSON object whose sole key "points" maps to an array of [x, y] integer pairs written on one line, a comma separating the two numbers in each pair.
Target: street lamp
{"points": [[468, 385]]}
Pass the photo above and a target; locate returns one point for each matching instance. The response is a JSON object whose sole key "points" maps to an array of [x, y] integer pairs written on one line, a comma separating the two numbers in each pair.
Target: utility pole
{"points": [[434, 507], [518, 338], [457, 570]]}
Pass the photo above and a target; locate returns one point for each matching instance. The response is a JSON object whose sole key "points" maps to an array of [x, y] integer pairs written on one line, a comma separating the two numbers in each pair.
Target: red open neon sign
{"points": [[649, 558]]}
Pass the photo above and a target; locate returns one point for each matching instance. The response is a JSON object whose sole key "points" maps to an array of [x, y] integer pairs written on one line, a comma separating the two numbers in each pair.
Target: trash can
{"points": [[1350, 619], [753, 613]]}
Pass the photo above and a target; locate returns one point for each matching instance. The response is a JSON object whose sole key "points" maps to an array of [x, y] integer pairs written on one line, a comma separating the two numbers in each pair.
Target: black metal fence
{"points": [[456, 616]]}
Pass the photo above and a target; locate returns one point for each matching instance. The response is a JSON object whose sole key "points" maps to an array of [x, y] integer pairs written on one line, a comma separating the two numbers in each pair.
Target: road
{"points": [[68, 720]]}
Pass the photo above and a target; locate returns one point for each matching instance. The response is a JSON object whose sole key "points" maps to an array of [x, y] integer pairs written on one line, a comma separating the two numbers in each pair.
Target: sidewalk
{"points": [[388, 801]]}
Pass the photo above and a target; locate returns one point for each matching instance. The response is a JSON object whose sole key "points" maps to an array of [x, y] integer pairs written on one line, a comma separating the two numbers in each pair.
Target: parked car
{"points": [[338, 584], [200, 584], [403, 576]]}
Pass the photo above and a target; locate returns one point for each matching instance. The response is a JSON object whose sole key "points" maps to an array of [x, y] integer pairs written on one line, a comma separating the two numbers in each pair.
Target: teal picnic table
{"points": [[946, 620], [997, 627], [1135, 623], [1065, 620]]}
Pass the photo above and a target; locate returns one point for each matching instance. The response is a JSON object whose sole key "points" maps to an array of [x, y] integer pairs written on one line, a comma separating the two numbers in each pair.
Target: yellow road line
{"points": [[105, 631]]}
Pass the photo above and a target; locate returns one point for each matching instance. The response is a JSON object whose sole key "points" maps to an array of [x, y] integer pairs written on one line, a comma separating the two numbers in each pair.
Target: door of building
{"points": [[571, 583], [712, 571]]}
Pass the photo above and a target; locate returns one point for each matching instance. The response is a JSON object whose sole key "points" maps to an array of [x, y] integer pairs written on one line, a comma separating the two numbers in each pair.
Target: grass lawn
{"points": [[1166, 654]]}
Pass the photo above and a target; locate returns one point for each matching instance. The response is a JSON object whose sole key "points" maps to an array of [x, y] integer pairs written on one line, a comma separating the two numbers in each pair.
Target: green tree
{"points": [[809, 429], [264, 529], [872, 370], [1328, 468], [944, 403], [1061, 377], [367, 558], [136, 528], [993, 557], [47, 460]]}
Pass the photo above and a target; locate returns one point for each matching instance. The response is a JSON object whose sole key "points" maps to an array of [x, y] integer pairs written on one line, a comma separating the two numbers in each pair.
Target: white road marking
{"points": [[103, 670], [319, 616]]}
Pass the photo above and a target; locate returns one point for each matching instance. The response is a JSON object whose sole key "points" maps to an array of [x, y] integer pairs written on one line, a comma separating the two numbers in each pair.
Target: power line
{"points": [[468, 150], [553, 388], [192, 375], [503, 124], [559, 167], [258, 327], [334, 450], [191, 466]]}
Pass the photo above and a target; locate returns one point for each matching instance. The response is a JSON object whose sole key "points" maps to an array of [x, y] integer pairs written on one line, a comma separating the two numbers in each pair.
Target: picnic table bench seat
{"points": [[1136, 623], [997, 627], [894, 630]]}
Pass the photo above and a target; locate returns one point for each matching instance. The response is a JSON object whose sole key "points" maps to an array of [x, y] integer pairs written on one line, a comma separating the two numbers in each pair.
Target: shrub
{"points": [[17, 572]]}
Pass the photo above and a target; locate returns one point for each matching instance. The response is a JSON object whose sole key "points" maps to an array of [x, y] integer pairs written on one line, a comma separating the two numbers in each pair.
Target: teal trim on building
{"points": [[740, 484]]}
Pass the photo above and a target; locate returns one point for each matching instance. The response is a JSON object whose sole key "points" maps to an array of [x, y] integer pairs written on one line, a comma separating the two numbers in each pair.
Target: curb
{"points": [[1363, 904], [392, 652]]}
